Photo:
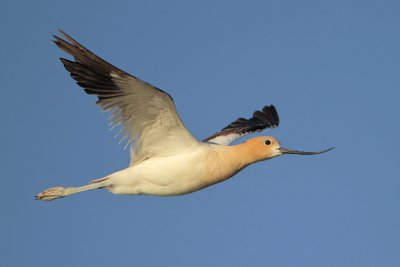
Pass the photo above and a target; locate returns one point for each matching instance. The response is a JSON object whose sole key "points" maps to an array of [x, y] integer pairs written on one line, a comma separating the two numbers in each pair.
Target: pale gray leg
{"points": [[60, 192]]}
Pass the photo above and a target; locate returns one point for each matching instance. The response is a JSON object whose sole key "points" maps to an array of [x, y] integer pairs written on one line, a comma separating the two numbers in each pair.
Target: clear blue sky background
{"points": [[330, 67]]}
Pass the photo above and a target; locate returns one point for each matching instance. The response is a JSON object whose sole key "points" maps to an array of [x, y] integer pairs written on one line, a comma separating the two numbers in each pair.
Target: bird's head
{"points": [[267, 147]]}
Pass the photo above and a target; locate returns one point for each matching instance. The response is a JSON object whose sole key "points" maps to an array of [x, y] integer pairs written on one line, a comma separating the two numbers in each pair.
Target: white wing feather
{"points": [[150, 121]]}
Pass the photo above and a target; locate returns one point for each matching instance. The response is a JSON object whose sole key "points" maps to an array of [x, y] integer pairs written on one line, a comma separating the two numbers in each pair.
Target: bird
{"points": [[166, 159]]}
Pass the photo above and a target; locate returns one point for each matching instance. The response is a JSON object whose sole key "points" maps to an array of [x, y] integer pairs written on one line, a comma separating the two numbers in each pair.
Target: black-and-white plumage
{"points": [[141, 107], [166, 160], [262, 119], [148, 114]]}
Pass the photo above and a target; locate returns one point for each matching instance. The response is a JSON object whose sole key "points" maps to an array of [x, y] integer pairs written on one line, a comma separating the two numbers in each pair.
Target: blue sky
{"points": [[330, 67]]}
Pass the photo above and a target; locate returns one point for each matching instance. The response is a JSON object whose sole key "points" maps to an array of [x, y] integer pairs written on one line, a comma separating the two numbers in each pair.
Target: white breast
{"points": [[166, 176]]}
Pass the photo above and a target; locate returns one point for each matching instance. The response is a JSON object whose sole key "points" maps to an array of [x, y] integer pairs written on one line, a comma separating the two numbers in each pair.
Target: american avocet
{"points": [[166, 160]]}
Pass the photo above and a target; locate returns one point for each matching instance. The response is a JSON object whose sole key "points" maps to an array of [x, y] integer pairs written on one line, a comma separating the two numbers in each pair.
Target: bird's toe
{"points": [[51, 194]]}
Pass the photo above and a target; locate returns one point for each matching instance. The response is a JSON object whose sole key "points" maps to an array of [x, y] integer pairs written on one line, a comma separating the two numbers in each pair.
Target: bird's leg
{"points": [[60, 192]]}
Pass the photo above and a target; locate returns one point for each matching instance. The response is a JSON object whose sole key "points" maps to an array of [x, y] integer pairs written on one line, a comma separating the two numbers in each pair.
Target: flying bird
{"points": [[166, 160]]}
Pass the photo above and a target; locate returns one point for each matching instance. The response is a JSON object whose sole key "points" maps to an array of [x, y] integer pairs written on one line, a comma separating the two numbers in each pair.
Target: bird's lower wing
{"points": [[262, 119]]}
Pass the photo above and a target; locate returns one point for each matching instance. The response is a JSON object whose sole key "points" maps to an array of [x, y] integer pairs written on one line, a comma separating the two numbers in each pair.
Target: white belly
{"points": [[166, 176]]}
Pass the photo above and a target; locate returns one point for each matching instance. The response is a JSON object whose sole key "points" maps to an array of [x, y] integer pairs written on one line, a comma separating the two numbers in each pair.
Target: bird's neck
{"points": [[238, 157], [227, 161], [244, 154]]}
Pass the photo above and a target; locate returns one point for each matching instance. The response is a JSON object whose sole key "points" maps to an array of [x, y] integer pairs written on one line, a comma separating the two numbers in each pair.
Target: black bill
{"points": [[292, 151]]}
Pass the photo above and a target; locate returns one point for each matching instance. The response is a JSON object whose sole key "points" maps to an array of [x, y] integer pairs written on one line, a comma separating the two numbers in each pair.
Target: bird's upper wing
{"points": [[266, 118], [148, 114]]}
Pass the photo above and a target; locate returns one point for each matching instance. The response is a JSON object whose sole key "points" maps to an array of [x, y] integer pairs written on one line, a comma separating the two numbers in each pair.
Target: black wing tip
{"points": [[267, 117], [272, 114], [64, 60], [61, 31], [66, 36], [58, 39]]}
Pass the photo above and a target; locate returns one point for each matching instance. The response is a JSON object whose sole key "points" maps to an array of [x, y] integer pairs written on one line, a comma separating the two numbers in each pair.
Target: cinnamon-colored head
{"points": [[267, 147]]}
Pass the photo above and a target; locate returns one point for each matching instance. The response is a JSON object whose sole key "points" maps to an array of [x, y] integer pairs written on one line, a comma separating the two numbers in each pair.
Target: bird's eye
{"points": [[267, 142]]}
